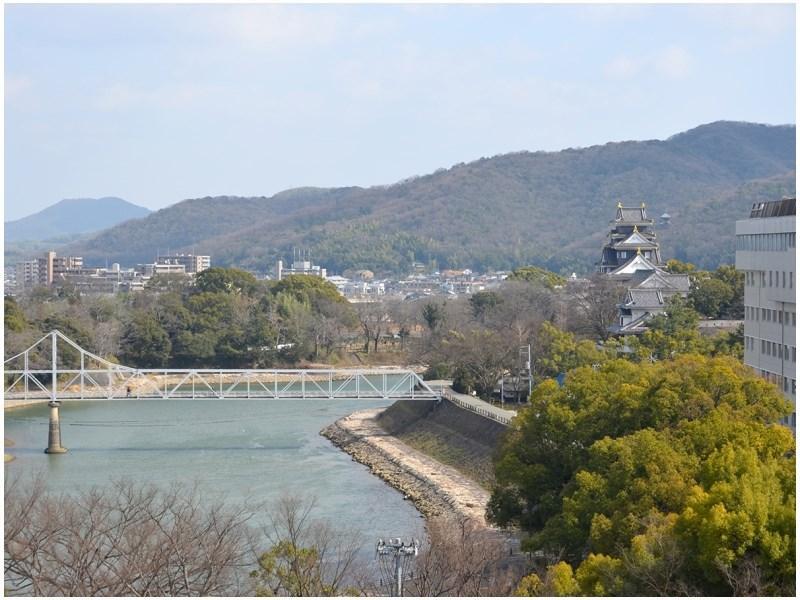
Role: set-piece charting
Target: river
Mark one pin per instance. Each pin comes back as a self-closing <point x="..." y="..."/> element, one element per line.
<point x="258" y="449"/>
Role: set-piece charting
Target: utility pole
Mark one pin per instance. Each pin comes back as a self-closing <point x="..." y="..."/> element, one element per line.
<point x="402" y="554"/>
<point x="525" y="353"/>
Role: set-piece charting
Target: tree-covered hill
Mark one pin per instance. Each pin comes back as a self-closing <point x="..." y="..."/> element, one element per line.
<point x="546" y="208"/>
<point x="72" y="216"/>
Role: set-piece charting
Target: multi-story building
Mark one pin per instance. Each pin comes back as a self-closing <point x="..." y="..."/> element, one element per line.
<point x="631" y="235"/>
<point x="765" y="253"/>
<point x="299" y="267"/>
<point x="27" y="274"/>
<point x="193" y="263"/>
<point x="631" y="256"/>
<point x="46" y="269"/>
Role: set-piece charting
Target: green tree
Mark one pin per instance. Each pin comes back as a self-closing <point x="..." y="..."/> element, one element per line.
<point x="483" y="302"/>
<point x="533" y="274"/>
<point x="13" y="317"/>
<point x="711" y="297"/>
<point x="144" y="342"/>
<point x="226" y="280"/>
<point x="434" y="316"/>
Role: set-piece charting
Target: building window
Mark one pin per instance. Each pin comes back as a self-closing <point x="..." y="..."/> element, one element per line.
<point x="791" y="279"/>
<point x="783" y="278"/>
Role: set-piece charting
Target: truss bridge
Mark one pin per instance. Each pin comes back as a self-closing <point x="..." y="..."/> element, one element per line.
<point x="57" y="368"/>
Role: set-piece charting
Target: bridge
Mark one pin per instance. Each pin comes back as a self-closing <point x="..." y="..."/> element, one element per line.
<point x="57" y="368"/>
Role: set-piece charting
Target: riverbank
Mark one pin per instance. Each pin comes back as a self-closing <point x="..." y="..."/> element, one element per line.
<point x="7" y="443"/>
<point x="434" y="488"/>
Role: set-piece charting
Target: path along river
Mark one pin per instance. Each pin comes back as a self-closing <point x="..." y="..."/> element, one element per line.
<point x="244" y="448"/>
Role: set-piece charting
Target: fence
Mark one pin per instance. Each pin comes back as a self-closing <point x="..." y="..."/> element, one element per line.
<point x="446" y="394"/>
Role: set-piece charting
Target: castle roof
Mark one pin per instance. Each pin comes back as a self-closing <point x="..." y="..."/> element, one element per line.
<point x="636" y="240"/>
<point x="644" y="298"/>
<point x="627" y="214"/>
<point x="637" y="263"/>
<point x="678" y="282"/>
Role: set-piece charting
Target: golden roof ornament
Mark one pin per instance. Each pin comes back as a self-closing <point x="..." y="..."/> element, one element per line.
<point x="642" y="204"/>
<point x="638" y="252"/>
<point x="619" y="204"/>
<point x="635" y="229"/>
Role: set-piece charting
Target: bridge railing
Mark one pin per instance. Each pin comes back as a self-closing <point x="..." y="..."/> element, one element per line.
<point x="447" y="395"/>
<point x="98" y="378"/>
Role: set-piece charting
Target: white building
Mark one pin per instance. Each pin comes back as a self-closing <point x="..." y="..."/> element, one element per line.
<point x="765" y="252"/>
<point x="192" y="263"/>
<point x="299" y="267"/>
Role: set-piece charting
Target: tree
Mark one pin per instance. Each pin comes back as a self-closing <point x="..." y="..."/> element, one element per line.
<point x="664" y="478"/>
<point x="434" y="316"/>
<point x="596" y="305"/>
<point x="460" y="558"/>
<point x="710" y="296"/>
<point x="676" y="266"/>
<point x="123" y="540"/>
<point x="306" y="557"/>
<point x="479" y="357"/>
<point x="549" y="441"/>
<point x="483" y="302"/>
<point x="533" y="274"/>
<point x="373" y="319"/>
<point x="13" y="317"/>
<point x="226" y="280"/>
<point x="309" y="288"/>
<point x="144" y="342"/>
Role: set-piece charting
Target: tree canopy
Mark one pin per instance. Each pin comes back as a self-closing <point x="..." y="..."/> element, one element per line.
<point x="649" y="478"/>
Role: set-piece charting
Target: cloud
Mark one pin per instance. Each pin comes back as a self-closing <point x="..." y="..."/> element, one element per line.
<point x="16" y="86"/>
<point x="673" y="62"/>
<point x="122" y="96"/>
<point x="623" y="67"/>
<point x="279" y="27"/>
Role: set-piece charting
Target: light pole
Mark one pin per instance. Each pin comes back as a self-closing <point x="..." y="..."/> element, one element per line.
<point x="525" y="353"/>
<point x="402" y="553"/>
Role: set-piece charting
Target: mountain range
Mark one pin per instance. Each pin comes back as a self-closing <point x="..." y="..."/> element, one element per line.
<point x="546" y="208"/>
<point x="71" y="217"/>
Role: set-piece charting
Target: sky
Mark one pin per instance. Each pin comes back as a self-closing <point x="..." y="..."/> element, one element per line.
<point x="159" y="103"/>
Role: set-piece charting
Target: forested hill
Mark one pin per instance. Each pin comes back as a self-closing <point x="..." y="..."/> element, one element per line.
<point x="546" y="208"/>
<point x="73" y="216"/>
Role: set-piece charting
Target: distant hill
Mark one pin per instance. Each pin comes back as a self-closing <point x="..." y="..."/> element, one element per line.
<point x="72" y="217"/>
<point x="545" y="208"/>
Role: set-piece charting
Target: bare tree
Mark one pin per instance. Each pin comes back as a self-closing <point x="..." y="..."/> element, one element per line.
<point x="462" y="558"/>
<point x="374" y="320"/>
<point x="307" y="557"/>
<point x="125" y="540"/>
<point x="595" y="305"/>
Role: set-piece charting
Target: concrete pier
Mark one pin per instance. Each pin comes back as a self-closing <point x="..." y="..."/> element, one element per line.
<point x="54" y="435"/>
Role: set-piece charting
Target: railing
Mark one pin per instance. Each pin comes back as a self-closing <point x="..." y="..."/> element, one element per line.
<point x="94" y="377"/>
<point x="447" y="395"/>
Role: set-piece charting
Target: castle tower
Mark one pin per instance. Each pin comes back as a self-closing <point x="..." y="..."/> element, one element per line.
<point x="631" y="236"/>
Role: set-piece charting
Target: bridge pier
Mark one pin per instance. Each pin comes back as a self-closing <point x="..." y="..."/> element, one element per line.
<point x="54" y="435"/>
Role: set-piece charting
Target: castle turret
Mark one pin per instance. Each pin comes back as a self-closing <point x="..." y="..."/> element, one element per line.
<point x="631" y="236"/>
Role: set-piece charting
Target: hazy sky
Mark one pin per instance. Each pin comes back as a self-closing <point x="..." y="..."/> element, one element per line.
<point x="156" y="104"/>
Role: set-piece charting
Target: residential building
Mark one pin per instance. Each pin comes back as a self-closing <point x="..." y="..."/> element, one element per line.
<point x="193" y="263"/>
<point x="765" y="253"/>
<point x="45" y="269"/>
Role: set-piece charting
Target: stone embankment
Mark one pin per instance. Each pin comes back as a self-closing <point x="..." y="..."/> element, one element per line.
<point x="436" y="489"/>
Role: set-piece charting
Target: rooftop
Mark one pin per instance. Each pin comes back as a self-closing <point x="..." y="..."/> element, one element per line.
<point x="774" y="208"/>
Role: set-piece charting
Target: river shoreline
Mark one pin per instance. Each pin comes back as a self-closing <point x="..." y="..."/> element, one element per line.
<point x="435" y="489"/>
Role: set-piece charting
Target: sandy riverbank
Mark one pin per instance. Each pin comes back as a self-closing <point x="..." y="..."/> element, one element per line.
<point x="434" y="488"/>
<point x="7" y="443"/>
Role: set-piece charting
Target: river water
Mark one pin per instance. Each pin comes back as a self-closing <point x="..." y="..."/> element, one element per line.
<point x="257" y="449"/>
